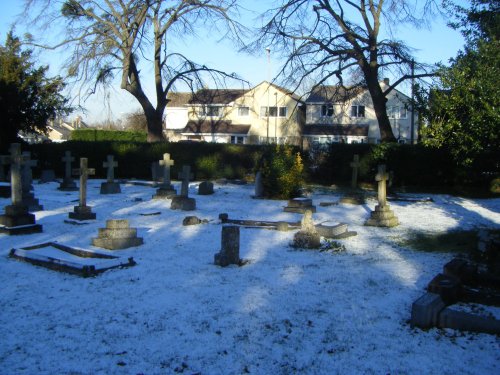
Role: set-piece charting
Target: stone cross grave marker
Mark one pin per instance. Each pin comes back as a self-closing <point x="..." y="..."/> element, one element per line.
<point x="27" y="174"/>
<point x="67" y="159"/>
<point x="166" y="163"/>
<point x="382" y="176"/>
<point x="110" y="164"/>
<point x="84" y="172"/>
<point x="67" y="184"/>
<point x="82" y="211"/>
<point x="355" y="166"/>
<point x="185" y="175"/>
<point x="16" y="160"/>
<point x="110" y="186"/>
<point x="17" y="219"/>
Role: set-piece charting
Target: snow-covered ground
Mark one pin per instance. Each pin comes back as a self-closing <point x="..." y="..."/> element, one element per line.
<point x="287" y="311"/>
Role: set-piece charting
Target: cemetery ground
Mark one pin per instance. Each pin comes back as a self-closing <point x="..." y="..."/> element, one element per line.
<point x="344" y="310"/>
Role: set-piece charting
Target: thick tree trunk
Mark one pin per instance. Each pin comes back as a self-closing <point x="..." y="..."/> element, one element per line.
<point x="379" y="104"/>
<point x="154" y="121"/>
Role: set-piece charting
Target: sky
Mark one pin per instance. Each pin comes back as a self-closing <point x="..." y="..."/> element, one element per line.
<point x="436" y="44"/>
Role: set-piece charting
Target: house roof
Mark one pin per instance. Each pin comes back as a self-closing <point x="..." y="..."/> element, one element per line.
<point x="215" y="127"/>
<point x="178" y="99"/>
<point x="282" y="89"/>
<point x="216" y="96"/>
<point x="335" y="94"/>
<point x="343" y="130"/>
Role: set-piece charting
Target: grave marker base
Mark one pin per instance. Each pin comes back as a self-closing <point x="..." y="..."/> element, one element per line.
<point x="183" y="203"/>
<point x="383" y="216"/>
<point x="82" y="213"/>
<point x="110" y="188"/>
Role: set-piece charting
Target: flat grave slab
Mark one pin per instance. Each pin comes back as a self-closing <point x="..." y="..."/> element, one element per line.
<point x="63" y="258"/>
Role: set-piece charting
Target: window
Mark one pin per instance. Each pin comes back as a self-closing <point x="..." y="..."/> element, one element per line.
<point x="358" y="111"/>
<point x="397" y="112"/>
<point x="243" y="111"/>
<point x="210" y="111"/>
<point x="327" y="110"/>
<point x="237" y="140"/>
<point x="273" y="111"/>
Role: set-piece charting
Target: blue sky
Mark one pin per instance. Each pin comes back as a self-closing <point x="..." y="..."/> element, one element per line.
<point x="438" y="44"/>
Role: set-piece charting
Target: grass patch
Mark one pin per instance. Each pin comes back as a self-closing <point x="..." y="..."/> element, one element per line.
<point x="447" y="242"/>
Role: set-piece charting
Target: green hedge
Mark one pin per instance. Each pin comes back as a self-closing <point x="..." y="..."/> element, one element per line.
<point x="93" y="135"/>
<point x="413" y="166"/>
<point x="207" y="160"/>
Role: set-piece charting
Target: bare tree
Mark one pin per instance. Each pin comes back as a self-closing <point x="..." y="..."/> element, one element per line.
<point x="109" y="37"/>
<point x="341" y="40"/>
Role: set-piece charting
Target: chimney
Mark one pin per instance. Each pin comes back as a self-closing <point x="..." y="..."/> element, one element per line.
<point x="387" y="81"/>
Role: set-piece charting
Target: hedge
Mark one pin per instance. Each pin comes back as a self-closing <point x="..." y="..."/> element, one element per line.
<point x="412" y="166"/>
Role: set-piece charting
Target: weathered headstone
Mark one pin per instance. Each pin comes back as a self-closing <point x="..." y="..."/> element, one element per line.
<point x="206" y="188"/>
<point x="82" y="211"/>
<point x="4" y="187"/>
<point x="308" y="237"/>
<point x="259" y="185"/>
<point x="383" y="216"/>
<point x="182" y="201"/>
<point x="29" y="199"/>
<point x="355" y="167"/>
<point x="230" y="247"/>
<point x="300" y="205"/>
<point x="47" y="175"/>
<point x="4" y="160"/>
<point x="117" y="235"/>
<point x="17" y="219"/>
<point x="110" y="186"/>
<point x="425" y="310"/>
<point x="67" y="184"/>
<point x="165" y="188"/>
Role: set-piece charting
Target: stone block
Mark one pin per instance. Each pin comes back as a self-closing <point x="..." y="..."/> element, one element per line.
<point x="82" y="213"/>
<point x="117" y="235"/>
<point x="165" y="193"/>
<point x="68" y="184"/>
<point x="230" y="247"/>
<point x="330" y="230"/>
<point x="425" y="310"/>
<point x="463" y="321"/>
<point x="448" y="287"/>
<point x="110" y="188"/>
<point x="206" y="188"/>
<point x="306" y="240"/>
<point x="183" y="203"/>
<point x="117" y="243"/>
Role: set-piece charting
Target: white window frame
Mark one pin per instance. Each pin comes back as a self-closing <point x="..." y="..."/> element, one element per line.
<point x="327" y="110"/>
<point x="281" y="112"/>
<point x="356" y="109"/>
<point x="206" y="111"/>
<point x="245" y="108"/>
<point x="397" y="112"/>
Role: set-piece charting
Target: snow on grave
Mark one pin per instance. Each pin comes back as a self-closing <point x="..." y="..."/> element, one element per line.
<point x="63" y="258"/>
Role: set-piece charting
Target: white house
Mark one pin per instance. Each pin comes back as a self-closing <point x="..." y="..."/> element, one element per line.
<point x="336" y="114"/>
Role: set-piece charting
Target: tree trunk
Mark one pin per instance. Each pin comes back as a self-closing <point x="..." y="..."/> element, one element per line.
<point x="154" y="119"/>
<point x="379" y="104"/>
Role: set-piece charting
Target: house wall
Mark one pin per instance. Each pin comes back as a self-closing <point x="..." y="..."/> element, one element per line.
<point x="342" y="115"/>
<point x="285" y="129"/>
<point x="176" y="117"/>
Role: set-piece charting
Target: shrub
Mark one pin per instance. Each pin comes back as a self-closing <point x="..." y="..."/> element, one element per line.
<point x="282" y="172"/>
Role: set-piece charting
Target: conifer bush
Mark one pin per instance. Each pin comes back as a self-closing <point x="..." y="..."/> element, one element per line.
<point x="282" y="172"/>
